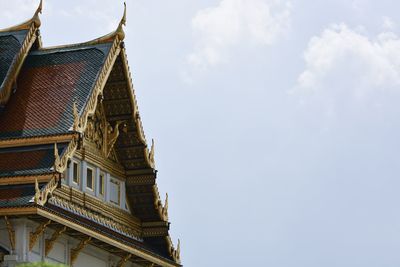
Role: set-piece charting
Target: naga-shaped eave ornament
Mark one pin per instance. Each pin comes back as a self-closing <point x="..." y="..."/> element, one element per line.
<point x="41" y="195"/>
<point x="162" y="210"/>
<point x="175" y="253"/>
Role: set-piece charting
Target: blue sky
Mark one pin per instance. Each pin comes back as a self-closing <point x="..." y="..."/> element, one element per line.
<point x="276" y="122"/>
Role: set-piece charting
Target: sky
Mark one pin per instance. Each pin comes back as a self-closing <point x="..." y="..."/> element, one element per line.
<point x="276" y="122"/>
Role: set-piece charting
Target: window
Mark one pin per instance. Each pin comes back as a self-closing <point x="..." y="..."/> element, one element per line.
<point x="75" y="172"/>
<point x="114" y="192"/>
<point x="101" y="184"/>
<point x="89" y="179"/>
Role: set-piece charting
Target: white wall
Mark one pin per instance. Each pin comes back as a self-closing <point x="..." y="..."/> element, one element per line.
<point x="90" y="256"/>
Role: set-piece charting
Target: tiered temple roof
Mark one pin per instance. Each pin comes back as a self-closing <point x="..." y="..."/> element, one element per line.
<point x="48" y="96"/>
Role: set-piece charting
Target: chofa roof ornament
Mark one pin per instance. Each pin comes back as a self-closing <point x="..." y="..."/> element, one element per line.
<point x="120" y="31"/>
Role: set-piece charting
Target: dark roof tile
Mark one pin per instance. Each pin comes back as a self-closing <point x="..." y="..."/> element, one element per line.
<point x="33" y="160"/>
<point x="10" y="44"/>
<point x="47" y="86"/>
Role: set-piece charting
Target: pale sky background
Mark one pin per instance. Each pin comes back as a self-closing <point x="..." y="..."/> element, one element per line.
<point x="277" y="122"/>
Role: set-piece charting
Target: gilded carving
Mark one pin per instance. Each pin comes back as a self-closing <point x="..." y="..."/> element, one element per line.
<point x="33" y="236"/>
<point x="176" y="255"/>
<point x="76" y="126"/>
<point x="41" y="196"/>
<point x="95" y="128"/>
<point x="75" y="251"/>
<point x="93" y="216"/>
<point x="11" y="233"/>
<point x="164" y="210"/>
<point x="49" y="243"/>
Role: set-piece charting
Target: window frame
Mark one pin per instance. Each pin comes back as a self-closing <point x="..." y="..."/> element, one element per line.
<point x="102" y="183"/>
<point x="78" y="172"/>
<point x="93" y="178"/>
<point x="118" y="183"/>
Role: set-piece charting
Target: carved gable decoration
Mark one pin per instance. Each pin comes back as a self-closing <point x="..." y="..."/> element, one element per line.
<point x="102" y="134"/>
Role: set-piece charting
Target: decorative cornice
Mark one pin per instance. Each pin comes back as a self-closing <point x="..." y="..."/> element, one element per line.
<point x="97" y="205"/>
<point x="37" y="140"/>
<point x="95" y="217"/>
<point x="28" y="179"/>
<point x="137" y="251"/>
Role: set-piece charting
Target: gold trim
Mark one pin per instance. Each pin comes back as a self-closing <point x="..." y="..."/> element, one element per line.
<point x="75" y="251"/>
<point x="76" y="126"/>
<point x="90" y="202"/>
<point x="88" y="214"/>
<point x="25" y="179"/>
<point x="89" y="154"/>
<point x="33" y="236"/>
<point x="42" y="195"/>
<point x="49" y="243"/>
<point x="101" y="81"/>
<point x="41" y="140"/>
<point x="162" y="210"/>
<point x="11" y="233"/>
<point x="32" y="25"/>
<point x="17" y="211"/>
<point x="60" y="164"/>
<point x="108" y="240"/>
<point x="176" y="255"/>
<point x="135" y="109"/>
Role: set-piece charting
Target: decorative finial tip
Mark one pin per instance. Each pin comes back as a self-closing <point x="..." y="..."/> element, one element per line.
<point x="39" y="9"/>
<point x="123" y="20"/>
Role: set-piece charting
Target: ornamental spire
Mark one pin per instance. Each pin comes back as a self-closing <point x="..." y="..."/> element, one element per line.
<point x="120" y="31"/>
<point x="35" y="17"/>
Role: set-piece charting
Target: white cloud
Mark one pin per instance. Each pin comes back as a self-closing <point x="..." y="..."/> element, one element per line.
<point x="233" y="22"/>
<point x="388" y="23"/>
<point x="345" y="59"/>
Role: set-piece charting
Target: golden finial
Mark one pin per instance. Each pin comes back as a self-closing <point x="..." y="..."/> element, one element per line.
<point x="36" y="18"/>
<point x="120" y="30"/>
<point x="151" y="153"/>
<point x="178" y="250"/>
<point x="165" y="208"/>
<point x="39" y="9"/>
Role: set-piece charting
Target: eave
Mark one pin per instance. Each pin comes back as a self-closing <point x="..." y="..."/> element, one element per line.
<point x="80" y="230"/>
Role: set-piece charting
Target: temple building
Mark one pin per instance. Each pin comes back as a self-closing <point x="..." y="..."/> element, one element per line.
<point x="77" y="176"/>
